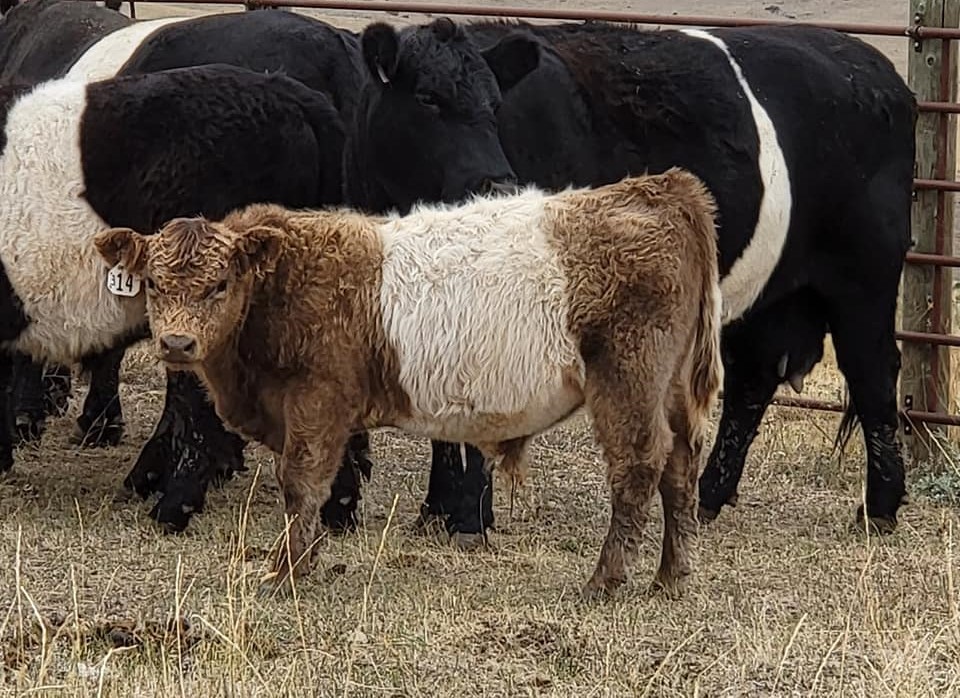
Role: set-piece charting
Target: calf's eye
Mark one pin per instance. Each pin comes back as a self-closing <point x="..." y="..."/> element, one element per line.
<point x="150" y="285"/>
<point x="220" y="289"/>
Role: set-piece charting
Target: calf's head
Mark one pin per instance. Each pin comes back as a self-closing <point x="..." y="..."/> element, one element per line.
<point x="426" y="128"/>
<point x="199" y="278"/>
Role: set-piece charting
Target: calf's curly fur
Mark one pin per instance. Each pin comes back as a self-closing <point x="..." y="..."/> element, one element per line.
<point x="486" y="322"/>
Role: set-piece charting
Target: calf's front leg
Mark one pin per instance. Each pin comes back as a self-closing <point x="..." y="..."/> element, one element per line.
<point x="311" y="456"/>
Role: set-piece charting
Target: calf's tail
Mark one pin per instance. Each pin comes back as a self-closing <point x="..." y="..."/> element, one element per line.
<point x="706" y="365"/>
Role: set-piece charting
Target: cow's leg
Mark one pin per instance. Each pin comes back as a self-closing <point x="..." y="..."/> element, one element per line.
<point x="101" y="421"/>
<point x="339" y="513"/>
<point x="636" y="450"/>
<point x="201" y="451"/>
<point x="678" y="490"/>
<point x="57" y="386"/>
<point x="780" y="343"/>
<point x="747" y="392"/>
<point x="459" y="492"/>
<point x="6" y="428"/>
<point x="26" y="400"/>
<point x="867" y="354"/>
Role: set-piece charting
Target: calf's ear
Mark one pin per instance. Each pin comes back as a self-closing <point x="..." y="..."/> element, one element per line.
<point x="512" y="58"/>
<point x="381" y="51"/>
<point x="122" y="246"/>
<point x="258" y="250"/>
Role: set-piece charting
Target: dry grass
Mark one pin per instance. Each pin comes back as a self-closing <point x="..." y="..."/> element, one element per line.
<point x="787" y="599"/>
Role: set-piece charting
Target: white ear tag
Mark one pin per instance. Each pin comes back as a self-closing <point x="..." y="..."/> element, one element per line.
<point x="120" y="282"/>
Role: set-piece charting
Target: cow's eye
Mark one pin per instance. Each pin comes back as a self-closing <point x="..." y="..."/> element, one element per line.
<point x="151" y="286"/>
<point x="427" y="100"/>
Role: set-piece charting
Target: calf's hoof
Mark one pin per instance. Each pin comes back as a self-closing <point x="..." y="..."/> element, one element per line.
<point x="6" y="461"/>
<point x="601" y="589"/>
<point x="29" y="426"/>
<point x="98" y="433"/>
<point x="670" y="586"/>
<point x="878" y="525"/>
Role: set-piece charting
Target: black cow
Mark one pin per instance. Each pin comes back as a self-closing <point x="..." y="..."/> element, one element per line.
<point x="804" y="135"/>
<point x="42" y="40"/>
<point x="137" y="151"/>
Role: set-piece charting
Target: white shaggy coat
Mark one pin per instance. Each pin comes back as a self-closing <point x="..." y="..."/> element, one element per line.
<point x="47" y="229"/>
<point x="749" y="274"/>
<point x="474" y="303"/>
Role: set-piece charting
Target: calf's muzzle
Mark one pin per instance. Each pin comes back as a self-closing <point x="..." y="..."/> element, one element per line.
<point x="178" y="348"/>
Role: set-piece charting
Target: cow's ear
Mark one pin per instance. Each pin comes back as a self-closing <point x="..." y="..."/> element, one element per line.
<point x="381" y="51"/>
<point x="446" y="29"/>
<point x="122" y="246"/>
<point x="512" y="58"/>
<point x="258" y="250"/>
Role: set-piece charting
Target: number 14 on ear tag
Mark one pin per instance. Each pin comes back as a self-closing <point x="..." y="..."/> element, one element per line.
<point x="120" y="282"/>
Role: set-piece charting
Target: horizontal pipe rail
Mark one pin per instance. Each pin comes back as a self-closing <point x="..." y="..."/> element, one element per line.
<point x="938" y="184"/>
<point x="916" y="32"/>
<point x="944" y="340"/>
<point x="939" y="260"/>
<point x="939" y="107"/>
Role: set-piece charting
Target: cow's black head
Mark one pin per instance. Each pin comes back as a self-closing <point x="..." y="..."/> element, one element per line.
<point x="426" y="125"/>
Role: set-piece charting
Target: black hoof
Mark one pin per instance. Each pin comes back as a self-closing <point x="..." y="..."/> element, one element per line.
<point x="878" y="525"/>
<point x="6" y="461"/>
<point x="173" y="513"/>
<point x="29" y="426"/>
<point x="98" y="433"/>
<point x="340" y="515"/>
<point x="151" y="471"/>
<point x="57" y="387"/>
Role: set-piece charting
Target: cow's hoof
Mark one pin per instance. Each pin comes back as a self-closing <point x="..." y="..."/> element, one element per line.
<point x="878" y="525"/>
<point x="706" y="516"/>
<point x="173" y="516"/>
<point x="6" y="461"/>
<point x="151" y="471"/>
<point x="57" y="388"/>
<point x="29" y="426"/>
<point x="468" y="541"/>
<point x="429" y="524"/>
<point x="98" y="433"/>
<point x="340" y="515"/>
<point x="223" y="475"/>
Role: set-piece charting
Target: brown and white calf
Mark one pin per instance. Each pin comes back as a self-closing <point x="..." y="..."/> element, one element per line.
<point x="486" y="323"/>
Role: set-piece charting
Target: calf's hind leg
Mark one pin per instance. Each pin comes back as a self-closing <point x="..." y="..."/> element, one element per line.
<point x="678" y="489"/>
<point x="635" y="437"/>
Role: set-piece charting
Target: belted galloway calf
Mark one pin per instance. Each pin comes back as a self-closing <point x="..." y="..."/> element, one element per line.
<point x="486" y="322"/>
